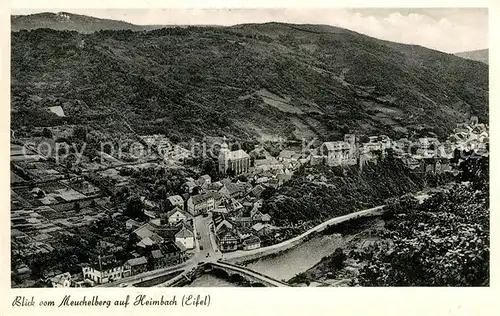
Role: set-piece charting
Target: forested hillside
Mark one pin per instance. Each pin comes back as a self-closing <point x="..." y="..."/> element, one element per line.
<point x="478" y="55"/>
<point x="319" y="193"/>
<point x="246" y="81"/>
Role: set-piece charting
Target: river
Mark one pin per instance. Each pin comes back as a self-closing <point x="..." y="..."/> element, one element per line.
<point x="285" y="265"/>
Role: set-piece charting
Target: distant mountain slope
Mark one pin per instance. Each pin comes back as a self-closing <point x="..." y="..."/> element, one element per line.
<point x="246" y="81"/>
<point x="71" y="22"/>
<point x="478" y="55"/>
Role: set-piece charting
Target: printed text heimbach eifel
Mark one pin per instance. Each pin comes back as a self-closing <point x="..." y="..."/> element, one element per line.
<point x="139" y="300"/>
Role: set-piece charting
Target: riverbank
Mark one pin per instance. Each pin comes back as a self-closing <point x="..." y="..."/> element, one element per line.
<point x="337" y="268"/>
<point x="242" y="255"/>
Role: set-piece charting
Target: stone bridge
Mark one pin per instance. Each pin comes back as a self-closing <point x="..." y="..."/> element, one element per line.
<point x="247" y="274"/>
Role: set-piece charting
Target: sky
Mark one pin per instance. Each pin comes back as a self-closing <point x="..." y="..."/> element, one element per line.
<point x="449" y="30"/>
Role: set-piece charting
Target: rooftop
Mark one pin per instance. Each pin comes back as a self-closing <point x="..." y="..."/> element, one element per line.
<point x="200" y="198"/>
<point x="287" y="154"/>
<point x="175" y="210"/>
<point x="137" y="261"/>
<point x="238" y="154"/>
<point x="184" y="233"/>
<point x="252" y="240"/>
<point x="176" y="199"/>
<point x="60" y="278"/>
<point x="156" y="254"/>
<point x="337" y="145"/>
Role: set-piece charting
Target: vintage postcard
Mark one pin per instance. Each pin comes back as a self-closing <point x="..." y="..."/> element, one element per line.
<point x="171" y="152"/>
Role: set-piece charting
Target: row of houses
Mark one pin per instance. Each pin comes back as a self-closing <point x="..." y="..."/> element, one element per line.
<point x="467" y="136"/>
<point x="231" y="237"/>
<point x="236" y="226"/>
<point x="108" y="269"/>
<point x="159" y="243"/>
<point x="210" y="196"/>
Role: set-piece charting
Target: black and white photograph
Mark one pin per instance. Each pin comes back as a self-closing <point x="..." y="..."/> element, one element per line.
<point x="265" y="147"/>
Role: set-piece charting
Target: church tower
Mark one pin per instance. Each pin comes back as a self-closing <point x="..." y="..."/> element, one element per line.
<point x="223" y="157"/>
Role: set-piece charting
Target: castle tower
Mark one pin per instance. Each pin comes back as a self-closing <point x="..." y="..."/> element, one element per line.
<point x="353" y="148"/>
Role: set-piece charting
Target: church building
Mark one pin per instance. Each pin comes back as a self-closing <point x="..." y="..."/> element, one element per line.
<point x="238" y="160"/>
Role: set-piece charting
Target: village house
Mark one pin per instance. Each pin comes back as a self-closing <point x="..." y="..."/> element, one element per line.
<point x="201" y="203"/>
<point x="135" y="266"/>
<point x="234" y="206"/>
<point x="147" y="236"/>
<point x="273" y="183"/>
<point x="385" y="142"/>
<point x="168" y="254"/>
<point x="191" y="186"/>
<point x="252" y="242"/>
<point x="78" y="281"/>
<point x="61" y="280"/>
<point x="107" y="269"/>
<point x="175" y="201"/>
<point x="315" y="159"/>
<point x="204" y="181"/>
<point x="286" y="155"/>
<point x="444" y="151"/>
<point x="226" y="239"/>
<point x="214" y="186"/>
<point x="246" y="187"/>
<point x="262" y="229"/>
<point x="132" y="224"/>
<point x="267" y="164"/>
<point x="217" y="218"/>
<point x="427" y="143"/>
<point x="218" y="198"/>
<point x="243" y="233"/>
<point x="177" y="215"/>
<point x="462" y="128"/>
<point x="222" y="223"/>
<point x="185" y="237"/>
<point x="22" y="271"/>
<point x="221" y="209"/>
<point x="242" y="221"/>
<point x="258" y="217"/>
<point x="401" y="146"/>
<point x="237" y="161"/>
<point x="157" y="259"/>
<point x="258" y="204"/>
<point x="231" y="190"/>
<point x="247" y="204"/>
<point x="261" y="180"/>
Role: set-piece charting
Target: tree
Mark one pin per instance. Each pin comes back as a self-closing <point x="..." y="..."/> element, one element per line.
<point x="443" y="241"/>
<point x="364" y="139"/>
<point x="80" y="133"/>
<point x="47" y="133"/>
<point x="337" y="259"/>
<point x="210" y="167"/>
<point x="230" y="173"/>
<point x="134" y="207"/>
